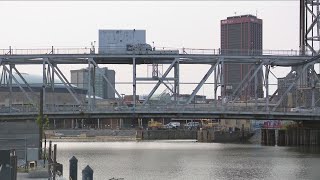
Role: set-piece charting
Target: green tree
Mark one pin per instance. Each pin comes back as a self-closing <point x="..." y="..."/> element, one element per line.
<point x="43" y="125"/>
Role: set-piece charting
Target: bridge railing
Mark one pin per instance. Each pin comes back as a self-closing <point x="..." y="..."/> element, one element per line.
<point x="156" y="50"/>
<point x="169" y="108"/>
<point x="241" y="52"/>
<point x="191" y="108"/>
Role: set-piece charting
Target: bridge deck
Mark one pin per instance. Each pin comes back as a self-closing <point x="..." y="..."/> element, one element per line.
<point x="149" y="59"/>
<point x="167" y="114"/>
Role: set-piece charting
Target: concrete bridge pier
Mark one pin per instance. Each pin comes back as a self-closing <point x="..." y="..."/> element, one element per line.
<point x="139" y="135"/>
<point x="200" y="135"/>
<point x="205" y="135"/>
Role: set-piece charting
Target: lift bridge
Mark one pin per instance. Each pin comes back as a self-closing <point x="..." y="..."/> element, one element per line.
<point x="227" y="107"/>
<point x="302" y="82"/>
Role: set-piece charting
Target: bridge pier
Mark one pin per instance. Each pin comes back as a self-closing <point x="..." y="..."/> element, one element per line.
<point x="200" y="136"/>
<point x="281" y="138"/>
<point x="268" y="137"/>
<point x="294" y="136"/>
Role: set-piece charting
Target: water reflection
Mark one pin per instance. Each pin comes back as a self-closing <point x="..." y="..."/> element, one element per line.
<point x="190" y="160"/>
<point x="306" y="149"/>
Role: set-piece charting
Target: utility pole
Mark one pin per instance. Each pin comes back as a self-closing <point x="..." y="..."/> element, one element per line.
<point x="41" y="121"/>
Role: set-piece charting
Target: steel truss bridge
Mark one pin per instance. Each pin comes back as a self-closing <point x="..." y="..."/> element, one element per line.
<point x="228" y="108"/>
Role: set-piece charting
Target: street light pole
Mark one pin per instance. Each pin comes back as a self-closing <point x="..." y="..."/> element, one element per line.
<point x="194" y="102"/>
<point x="122" y="98"/>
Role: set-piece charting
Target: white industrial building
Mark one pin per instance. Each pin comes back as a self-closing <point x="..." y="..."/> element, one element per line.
<point x="80" y="78"/>
<point x="117" y="41"/>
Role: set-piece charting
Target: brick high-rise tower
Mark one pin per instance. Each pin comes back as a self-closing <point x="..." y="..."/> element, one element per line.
<point x="241" y="35"/>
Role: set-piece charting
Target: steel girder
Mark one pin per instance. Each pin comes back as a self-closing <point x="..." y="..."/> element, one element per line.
<point x="63" y="79"/>
<point x="160" y="81"/>
<point x="203" y="80"/>
<point x="19" y="85"/>
<point x="304" y="68"/>
<point x="309" y="26"/>
<point x="244" y="83"/>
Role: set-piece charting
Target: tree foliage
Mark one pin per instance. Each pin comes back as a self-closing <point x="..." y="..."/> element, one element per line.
<point x="45" y="124"/>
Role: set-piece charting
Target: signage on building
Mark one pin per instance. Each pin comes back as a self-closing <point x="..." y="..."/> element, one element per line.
<point x="272" y="124"/>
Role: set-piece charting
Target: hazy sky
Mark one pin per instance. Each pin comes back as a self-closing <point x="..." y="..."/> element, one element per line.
<point x="177" y="24"/>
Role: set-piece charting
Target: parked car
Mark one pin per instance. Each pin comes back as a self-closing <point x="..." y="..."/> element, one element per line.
<point x="172" y="125"/>
<point x="301" y="109"/>
<point x="192" y="125"/>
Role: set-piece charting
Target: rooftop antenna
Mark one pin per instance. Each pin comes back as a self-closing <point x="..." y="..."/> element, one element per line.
<point x="235" y="13"/>
<point x="256" y="13"/>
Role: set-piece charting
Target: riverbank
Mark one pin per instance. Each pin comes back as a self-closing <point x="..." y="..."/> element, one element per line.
<point x="109" y="135"/>
<point x="93" y="139"/>
<point x="90" y="135"/>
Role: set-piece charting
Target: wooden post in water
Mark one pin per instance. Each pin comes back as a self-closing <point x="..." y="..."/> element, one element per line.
<point x="73" y="168"/>
<point x="242" y="133"/>
<point x="13" y="164"/>
<point x="50" y="158"/>
<point x="44" y="150"/>
<point x="54" y="160"/>
<point x="87" y="173"/>
<point x="281" y="137"/>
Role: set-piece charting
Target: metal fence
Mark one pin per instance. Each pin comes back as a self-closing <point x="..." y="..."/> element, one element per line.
<point x="88" y="50"/>
<point x="19" y="145"/>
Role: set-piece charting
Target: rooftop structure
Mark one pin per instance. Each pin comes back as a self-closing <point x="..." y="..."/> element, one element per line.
<point x="118" y="41"/>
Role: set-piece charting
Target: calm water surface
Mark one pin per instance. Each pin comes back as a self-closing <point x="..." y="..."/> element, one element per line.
<point x="190" y="160"/>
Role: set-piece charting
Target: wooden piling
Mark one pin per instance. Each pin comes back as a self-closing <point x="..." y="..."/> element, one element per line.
<point x="281" y="137"/>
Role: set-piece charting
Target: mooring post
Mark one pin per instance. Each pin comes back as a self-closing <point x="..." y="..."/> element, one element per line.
<point x="50" y="158"/>
<point x="44" y="152"/>
<point x="13" y="164"/>
<point x="73" y="168"/>
<point x="242" y="133"/>
<point x="87" y="173"/>
<point x="54" y="160"/>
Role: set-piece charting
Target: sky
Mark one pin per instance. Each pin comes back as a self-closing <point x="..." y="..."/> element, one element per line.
<point x="177" y="24"/>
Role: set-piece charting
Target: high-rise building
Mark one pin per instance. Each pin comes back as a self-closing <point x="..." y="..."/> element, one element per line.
<point x="101" y="87"/>
<point x="241" y="35"/>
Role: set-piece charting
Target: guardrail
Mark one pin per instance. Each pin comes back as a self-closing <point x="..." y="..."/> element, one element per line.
<point x="88" y="50"/>
<point x="197" y="108"/>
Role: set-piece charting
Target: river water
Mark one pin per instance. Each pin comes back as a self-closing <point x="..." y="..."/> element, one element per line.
<point x="190" y="160"/>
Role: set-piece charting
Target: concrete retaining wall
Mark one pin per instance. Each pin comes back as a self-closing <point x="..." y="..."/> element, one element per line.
<point x="222" y="136"/>
<point x="166" y="134"/>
